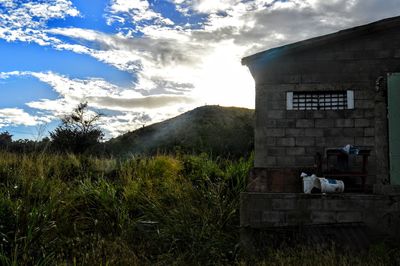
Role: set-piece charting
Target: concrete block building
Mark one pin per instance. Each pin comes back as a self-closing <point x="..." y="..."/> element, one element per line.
<point x="321" y="94"/>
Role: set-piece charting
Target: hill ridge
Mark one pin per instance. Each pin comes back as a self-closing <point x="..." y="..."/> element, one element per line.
<point x="210" y="128"/>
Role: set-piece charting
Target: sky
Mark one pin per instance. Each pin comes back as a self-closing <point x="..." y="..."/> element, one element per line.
<point x="138" y="62"/>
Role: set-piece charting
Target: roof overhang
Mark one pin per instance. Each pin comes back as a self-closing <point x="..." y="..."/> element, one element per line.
<point x="325" y="39"/>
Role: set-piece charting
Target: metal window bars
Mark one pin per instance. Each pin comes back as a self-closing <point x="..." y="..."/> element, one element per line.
<point x="320" y="100"/>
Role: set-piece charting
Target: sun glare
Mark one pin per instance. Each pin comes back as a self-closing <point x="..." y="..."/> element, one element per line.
<point x="223" y="80"/>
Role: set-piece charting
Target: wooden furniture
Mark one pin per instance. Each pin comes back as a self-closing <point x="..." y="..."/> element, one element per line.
<point x="347" y="172"/>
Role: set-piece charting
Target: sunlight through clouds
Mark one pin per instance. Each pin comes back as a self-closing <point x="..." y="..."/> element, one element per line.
<point x="179" y="53"/>
<point x="128" y="105"/>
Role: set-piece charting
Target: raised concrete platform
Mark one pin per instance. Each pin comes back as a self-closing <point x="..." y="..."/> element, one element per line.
<point x="379" y="213"/>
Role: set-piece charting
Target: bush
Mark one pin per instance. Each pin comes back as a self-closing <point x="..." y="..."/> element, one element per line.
<point x="78" y="132"/>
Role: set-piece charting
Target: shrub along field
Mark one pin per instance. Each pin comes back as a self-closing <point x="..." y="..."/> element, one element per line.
<point x="161" y="210"/>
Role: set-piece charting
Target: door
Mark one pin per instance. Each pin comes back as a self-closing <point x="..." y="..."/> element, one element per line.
<point x="394" y="126"/>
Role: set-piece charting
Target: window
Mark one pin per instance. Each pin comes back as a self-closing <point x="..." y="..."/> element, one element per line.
<point x="320" y="100"/>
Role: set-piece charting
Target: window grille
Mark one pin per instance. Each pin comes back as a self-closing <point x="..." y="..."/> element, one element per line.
<point x="320" y="100"/>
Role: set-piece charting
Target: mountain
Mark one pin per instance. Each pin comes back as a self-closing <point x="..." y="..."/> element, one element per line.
<point x="212" y="129"/>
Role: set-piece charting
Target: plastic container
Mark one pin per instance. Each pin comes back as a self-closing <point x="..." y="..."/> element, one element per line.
<point x="329" y="185"/>
<point x="308" y="182"/>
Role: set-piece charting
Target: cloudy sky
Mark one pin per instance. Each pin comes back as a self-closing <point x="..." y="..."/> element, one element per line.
<point x="142" y="61"/>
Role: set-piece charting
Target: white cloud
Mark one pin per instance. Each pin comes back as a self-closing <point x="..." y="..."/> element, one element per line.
<point x="167" y="59"/>
<point x="210" y="6"/>
<point x="174" y="63"/>
<point x="51" y="9"/>
<point x="101" y="96"/>
<point x="149" y="102"/>
<point x="25" y="20"/>
<point x="17" y="117"/>
<point x="138" y="11"/>
<point x="119" y="124"/>
<point x="206" y="60"/>
<point x="97" y="91"/>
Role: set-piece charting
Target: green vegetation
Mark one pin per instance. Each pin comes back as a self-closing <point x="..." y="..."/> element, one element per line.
<point x="62" y="205"/>
<point x="163" y="210"/>
<point x="85" y="210"/>
<point x="78" y="132"/>
<point x="220" y="131"/>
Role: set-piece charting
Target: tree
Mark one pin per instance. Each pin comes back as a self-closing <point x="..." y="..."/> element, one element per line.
<point x="78" y="131"/>
<point x="5" y="140"/>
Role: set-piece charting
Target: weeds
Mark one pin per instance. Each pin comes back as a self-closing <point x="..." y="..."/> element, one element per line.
<point x="163" y="210"/>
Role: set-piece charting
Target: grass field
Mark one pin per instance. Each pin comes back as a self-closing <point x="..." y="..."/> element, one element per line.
<point x="162" y="210"/>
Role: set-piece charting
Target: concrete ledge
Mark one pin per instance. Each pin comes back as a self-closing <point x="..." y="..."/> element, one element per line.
<point x="387" y="189"/>
<point x="343" y="236"/>
<point x="380" y="213"/>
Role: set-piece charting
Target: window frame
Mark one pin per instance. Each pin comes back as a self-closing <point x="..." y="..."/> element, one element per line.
<point x="318" y="95"/>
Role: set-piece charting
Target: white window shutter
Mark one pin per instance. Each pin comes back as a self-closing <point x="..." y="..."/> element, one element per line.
<point x="350" y="99"/>
<point x="289" y="100"/>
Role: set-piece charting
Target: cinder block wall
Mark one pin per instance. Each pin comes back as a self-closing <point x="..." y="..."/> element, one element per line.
<point x="290" y="138"/>
<point x="264" y="210"/>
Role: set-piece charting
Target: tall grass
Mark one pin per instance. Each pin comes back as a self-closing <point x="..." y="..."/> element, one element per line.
<point x="162" y="210"/>
<point x="83" y="210"/>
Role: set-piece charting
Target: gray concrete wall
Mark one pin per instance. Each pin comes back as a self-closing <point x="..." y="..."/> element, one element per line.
<point x="288" y="138"/>
<point x="380" y="213"/>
